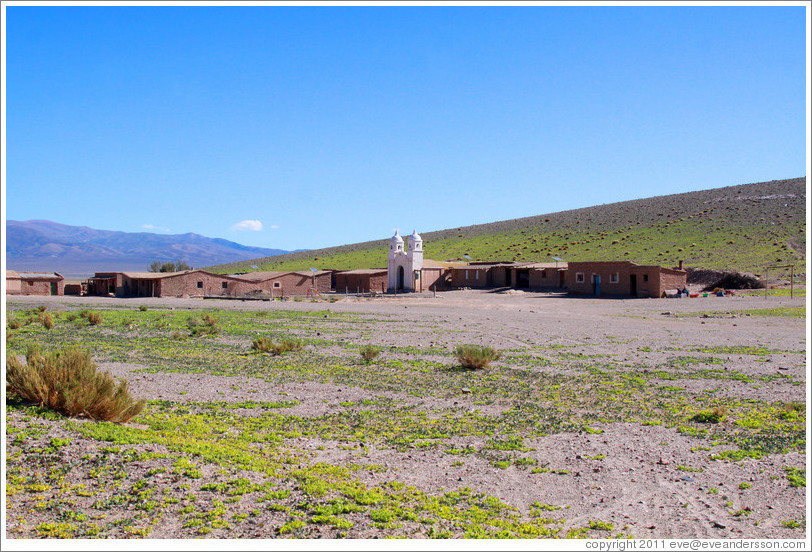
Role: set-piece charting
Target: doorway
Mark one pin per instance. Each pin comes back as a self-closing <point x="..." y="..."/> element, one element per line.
<point x="400" y="278"/>
<point x="633" y="285"/>
<point x="596" y="285"/>
<point x="54" y="289"/>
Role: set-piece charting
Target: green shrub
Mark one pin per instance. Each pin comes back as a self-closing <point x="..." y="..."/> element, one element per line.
<point x="369" y="353"/>
<point x="15" y="324"/>
<point x="207" y="326"/>
<point x="712" y="416"/>
<point x="143" y="308"/>
<point x="266" y="345"/>
<point x="262" y="344"/>
<point x="475" y="357"/>
<point x="68" y="382"/>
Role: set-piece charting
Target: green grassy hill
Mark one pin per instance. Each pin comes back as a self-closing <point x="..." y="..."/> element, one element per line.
<point x="740" y="228"/>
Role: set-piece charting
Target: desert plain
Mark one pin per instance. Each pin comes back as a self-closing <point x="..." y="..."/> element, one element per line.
<point x="622" y="418"/>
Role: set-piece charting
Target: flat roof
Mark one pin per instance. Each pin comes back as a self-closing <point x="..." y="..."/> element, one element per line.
<point x="363" y="271"/>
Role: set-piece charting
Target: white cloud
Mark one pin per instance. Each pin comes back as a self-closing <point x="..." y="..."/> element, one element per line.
<point x="153" y="227"/>
<point x="274" y="226"/>
<point x="248" y="225"/>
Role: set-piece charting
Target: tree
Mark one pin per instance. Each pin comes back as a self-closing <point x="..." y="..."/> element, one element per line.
<point x="177" y="266"/>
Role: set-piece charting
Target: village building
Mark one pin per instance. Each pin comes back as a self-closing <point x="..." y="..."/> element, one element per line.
<point x="365" y="280"/>
<point x="408" y="271"/>
<point x="34" y="283"/>
<point x="623" y="279"/>
<point x="538" y="276"/>
<point x="189" y="283"/>
<point x="405" y="264"/>
<point x="276" y="284"/>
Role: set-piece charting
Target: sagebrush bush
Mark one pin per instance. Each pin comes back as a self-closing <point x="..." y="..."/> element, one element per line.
<point x="207" y="326"/>
<point x="475" y="357"/>
<point x="46" y="320"/>
<point x="291" y="345"/>
<point x="93" y="318"/>
<point x="712" y="416"/>
<point x="369" y="353"/>
<point x="262" y="344"/>
<point x="266" y="345"/>
<point x="15" y="324"/>
<point x="68" y="382"/>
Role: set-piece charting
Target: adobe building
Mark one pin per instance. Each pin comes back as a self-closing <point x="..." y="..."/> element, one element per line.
<point x="622" y="279"/>
<point x="277" y="284"/>
<point x="189" y="283"/>
<point x="365" y="280"/>
<point x="34" y="283"/>
<point x="538" y="276"/>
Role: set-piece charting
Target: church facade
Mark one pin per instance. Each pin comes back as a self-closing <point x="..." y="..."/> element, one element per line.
<point x="405" y="266"/>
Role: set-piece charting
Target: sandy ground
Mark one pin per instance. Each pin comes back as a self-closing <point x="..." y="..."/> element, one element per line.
<point x="637" y="485"/>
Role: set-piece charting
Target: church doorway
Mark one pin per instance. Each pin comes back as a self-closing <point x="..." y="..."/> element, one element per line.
<point x="400" y="278"/>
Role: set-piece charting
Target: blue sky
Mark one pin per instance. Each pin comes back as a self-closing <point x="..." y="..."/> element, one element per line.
<point x="307" y="127"/>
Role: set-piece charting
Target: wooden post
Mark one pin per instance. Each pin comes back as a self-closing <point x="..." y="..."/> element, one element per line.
<point x="791" y="279"/>
<point x="766" y="281"/>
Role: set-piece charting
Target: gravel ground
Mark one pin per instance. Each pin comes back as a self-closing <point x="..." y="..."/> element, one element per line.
<point x="637" y="484"/>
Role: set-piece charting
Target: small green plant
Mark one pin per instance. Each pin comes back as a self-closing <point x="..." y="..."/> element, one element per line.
<point x="262" y="344"/>
<point x="288" y="344"/>
<point x="475" y="357"/>
<point x="601" y="526"/>
<point x="206" y="326"/>
<point x="369" y="353"/>
<point x="266" y="345"/>
<point x="744" y="485"/>
<point x="68" y="382"/>
<point x="712" y="416"/>
<point x="143" y="308"/>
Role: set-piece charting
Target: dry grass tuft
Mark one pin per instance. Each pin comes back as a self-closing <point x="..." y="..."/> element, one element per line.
<point x="266" y="345"/>
<point x="68" y="382"/>
<point x="475" y="357"/>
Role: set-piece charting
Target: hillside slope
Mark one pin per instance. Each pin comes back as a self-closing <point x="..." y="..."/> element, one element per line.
<point x="742" y="227"/>
<point x="79" y="251"/>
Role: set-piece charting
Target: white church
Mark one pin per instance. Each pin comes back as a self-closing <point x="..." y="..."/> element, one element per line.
<point x="405" y="266"/>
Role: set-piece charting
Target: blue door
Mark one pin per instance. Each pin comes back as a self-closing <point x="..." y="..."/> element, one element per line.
<point x="596" y="285"/>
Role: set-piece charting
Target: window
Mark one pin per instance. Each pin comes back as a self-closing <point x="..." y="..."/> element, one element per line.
<point x="543" y="273"/>
<point x="614" y="278"/>
<point x="579" y="277"/>
<point x="466" y="274"/>
<point x="200" y="285"/>
<point x="225" y="285"/>
<point x="416" y="274"/>
<point x="277" y="285"/>
<point x="30" y="283"/>
<point x="476" y="275"/>
<point x="645" y="277"/>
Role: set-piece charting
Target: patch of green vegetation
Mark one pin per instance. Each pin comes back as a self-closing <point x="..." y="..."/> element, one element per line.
<point x="796" y="476"/>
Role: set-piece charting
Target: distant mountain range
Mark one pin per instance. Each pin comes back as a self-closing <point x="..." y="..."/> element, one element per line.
<point x="79" y="251"/>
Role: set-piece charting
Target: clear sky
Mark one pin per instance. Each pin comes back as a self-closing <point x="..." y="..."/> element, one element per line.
<point x="307" y="127"/>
